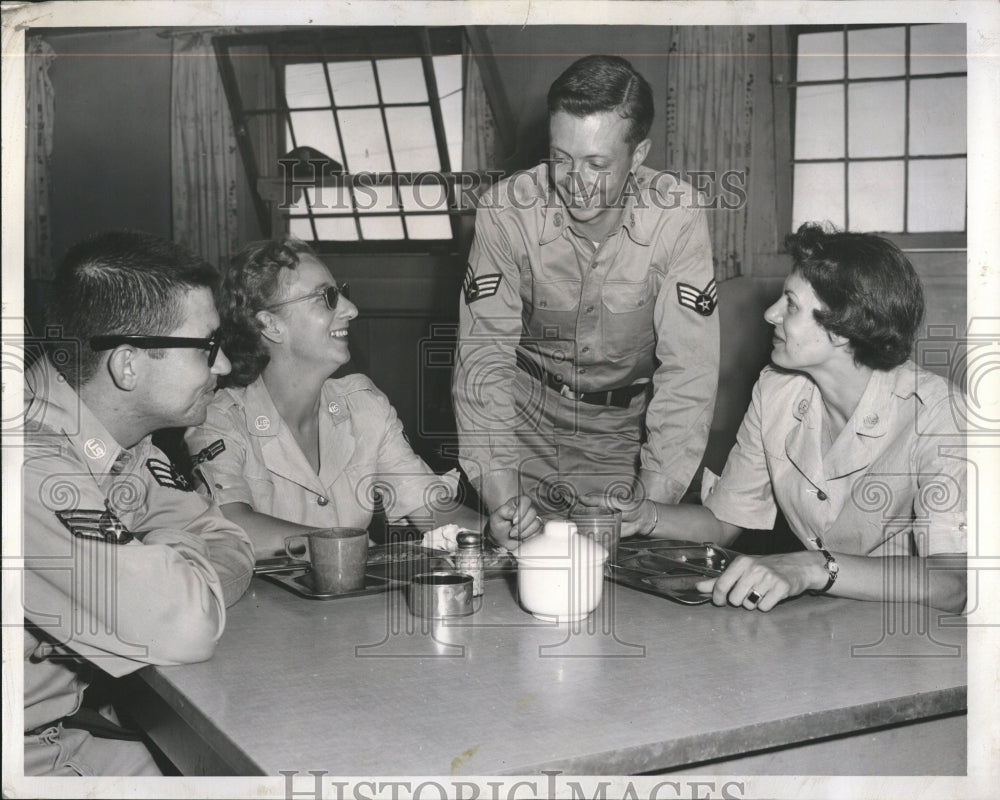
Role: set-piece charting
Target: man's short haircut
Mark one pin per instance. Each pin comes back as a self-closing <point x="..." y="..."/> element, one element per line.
<point x="872" y="294"/>
<point x="121" y="282"/>
<point x="595" y="84"/>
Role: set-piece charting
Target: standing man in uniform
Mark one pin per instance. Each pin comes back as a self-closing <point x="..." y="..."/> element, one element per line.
<point x="588" y="349"/>
<point x="124" y="565"/>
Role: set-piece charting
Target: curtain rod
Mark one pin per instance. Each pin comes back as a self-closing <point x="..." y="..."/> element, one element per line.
<point x="224" y="31"/>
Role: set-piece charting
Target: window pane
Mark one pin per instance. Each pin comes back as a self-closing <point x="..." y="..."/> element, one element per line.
<point x="820" y="56"/>
<point x="336" y="229"/>
<point x="402" y="80"/>
<point x="364" y="141"/>
<point x="374" y="198"/>
<point x="424" y="197"/>
<point x="448" y="72"/>
<point x="819" y="122"/>
<point x="382" y="228"/>
<point x="875" y="116"/>
<point x="875" y="196"/>
<point x="300" y="228"/>
<point x="937" y="195"/>
<point x="818" y="194"/>
<point x="330" y="198"/>
<point x="305" y="86"/>
<point x="430" y="227"/>
<point x="317" y="130"/>
<point x="353" y="83"/>
<point x="876" y="52"/>
<point x="937" y="116"/>
<point x="414" y="145"/>
<point x="937" y="48"/>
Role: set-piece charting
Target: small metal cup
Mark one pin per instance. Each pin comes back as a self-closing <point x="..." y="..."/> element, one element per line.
<point x="440" y="594"/>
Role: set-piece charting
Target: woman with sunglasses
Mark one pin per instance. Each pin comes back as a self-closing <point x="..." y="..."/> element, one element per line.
<point x="300" y="448"/>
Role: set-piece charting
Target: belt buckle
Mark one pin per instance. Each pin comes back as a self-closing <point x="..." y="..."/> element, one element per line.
<point x="568" y="393"/>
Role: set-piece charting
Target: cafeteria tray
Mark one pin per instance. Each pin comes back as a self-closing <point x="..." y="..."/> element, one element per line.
<point x="390" y="566"/>
<point x="669" y="567"/>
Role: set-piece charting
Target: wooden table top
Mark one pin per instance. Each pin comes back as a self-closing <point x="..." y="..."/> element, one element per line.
<point x="359" y="686"/>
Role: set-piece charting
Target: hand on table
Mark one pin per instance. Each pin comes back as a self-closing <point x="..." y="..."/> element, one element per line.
<point x="761" y="582"/>
<point x="513" y="521"/>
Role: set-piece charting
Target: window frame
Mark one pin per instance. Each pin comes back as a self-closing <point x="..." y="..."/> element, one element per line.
<point x="910" y="241"/>
<point x="318" y="45"/>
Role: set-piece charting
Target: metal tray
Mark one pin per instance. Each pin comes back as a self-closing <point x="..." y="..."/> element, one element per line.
<point x="668" y="567"/>
<point x="390" y="566"/>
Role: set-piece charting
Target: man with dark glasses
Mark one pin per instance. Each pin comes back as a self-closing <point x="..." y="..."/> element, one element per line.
<point x="125" y="565"/>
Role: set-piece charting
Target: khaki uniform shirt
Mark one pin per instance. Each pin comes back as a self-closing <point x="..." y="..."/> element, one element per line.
<point x="638" y="306"/>
<point x="893" y="483"/>
<point x="124" y="565"/>
<point x="362" y="450"/>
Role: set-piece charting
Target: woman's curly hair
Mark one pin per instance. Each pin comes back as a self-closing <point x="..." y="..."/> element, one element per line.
<point x="872" y="294"/>
<point x="249" y="285"/>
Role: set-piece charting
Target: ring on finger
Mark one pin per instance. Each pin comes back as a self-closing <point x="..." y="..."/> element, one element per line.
<point x="754" y="596"/>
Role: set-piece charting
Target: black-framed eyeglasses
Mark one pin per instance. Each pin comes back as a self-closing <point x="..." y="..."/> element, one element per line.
<point x="331" y="294"/>
<point x="110" y="341"/>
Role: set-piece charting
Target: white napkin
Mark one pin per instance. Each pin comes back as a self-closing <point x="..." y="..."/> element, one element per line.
<point x="444" y="538"/>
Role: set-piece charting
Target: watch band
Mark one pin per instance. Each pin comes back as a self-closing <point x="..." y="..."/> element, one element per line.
<point x="832" y="568"/>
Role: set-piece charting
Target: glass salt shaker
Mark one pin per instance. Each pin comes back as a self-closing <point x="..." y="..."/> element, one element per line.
<point x="469" y="559"/>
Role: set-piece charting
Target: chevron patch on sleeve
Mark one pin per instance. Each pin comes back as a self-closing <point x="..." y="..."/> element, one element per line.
<point x="208" y="453"/>
<point x="99" y="524"/>
<point x="476" y="288"/>
<point x="166" y="475"/>
<point x="703" y="301"/>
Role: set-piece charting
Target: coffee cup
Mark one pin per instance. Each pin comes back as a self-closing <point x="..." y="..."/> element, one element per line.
<point x="337" y="558"/>
<point x="602" y="524"/>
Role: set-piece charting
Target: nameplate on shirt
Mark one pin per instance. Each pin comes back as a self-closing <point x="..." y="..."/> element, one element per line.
<point x="99" y="524"/>
<point x="476" y="288"/>
<point x="166" y="475"/>
<point x="703" y="301"/>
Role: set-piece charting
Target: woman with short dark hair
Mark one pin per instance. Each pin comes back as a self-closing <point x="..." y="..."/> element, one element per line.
<point x="859" y="448"/>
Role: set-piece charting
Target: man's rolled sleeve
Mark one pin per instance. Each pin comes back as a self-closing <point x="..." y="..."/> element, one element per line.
<point x="155" y="599"/>
<point x="680" y="411"/>
<point x="489" y="330"/>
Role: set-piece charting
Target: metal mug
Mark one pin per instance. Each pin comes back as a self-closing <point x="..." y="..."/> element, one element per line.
<point x="440" y="594"/>
<point x="337" y="558"/>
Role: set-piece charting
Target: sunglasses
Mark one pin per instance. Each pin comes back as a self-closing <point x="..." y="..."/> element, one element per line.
<point x="109" y="342"/>
<point x="330" y="294"/>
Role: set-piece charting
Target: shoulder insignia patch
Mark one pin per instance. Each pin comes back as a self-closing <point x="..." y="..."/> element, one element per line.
<point x="478" y="288"/>
<point x="208" y="453"/>
<point x="166" y="475"/>
<point x="101" y="525"/>
<point x="702" y="301"/>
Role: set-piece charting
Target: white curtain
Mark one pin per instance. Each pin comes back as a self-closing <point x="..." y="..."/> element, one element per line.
<point x="204" y="161"/>
<point x="709" y="115"/>
<point x="39" y="120"/>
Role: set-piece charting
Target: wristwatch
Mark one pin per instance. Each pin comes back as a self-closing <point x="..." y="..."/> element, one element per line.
<point x="832" y="569"/>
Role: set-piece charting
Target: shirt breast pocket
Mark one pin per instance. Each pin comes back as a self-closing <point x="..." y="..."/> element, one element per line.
<point x="628" y="318"/>
<point x="552" y="309"/>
